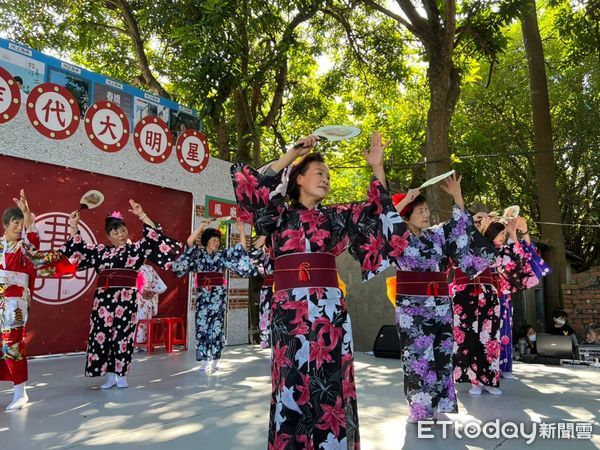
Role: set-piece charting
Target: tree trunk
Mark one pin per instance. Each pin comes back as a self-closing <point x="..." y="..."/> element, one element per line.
<point x="222" y="138"/>
<point x="544" y="158"/>
<point x="443" y="81"/>
<point x="244" y="134"/>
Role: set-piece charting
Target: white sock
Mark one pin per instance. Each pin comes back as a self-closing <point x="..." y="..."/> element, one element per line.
<point x="202" y="365"/>
<point x="475" y="389"/>
<point x="111" y="381"/>
<point x="20" y="397"/>
<point x="493" y="390"/>
<point x="122" y="381"/>
<point x="215" y="364"/>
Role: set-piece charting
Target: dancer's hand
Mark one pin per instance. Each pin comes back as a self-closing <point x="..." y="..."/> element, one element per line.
<point x="477" y="218"/>
<point x="408" y="198"/>
<point x="511" y="229"/>
<point x="304" y="145"/>
<point x="136" y="209"/>
<point x="521" y="225"/>
<point x="74" y="219"/>
<point x="451" y="186"/>
<point x="376" y="153"/>
<point x="21" y="202"/>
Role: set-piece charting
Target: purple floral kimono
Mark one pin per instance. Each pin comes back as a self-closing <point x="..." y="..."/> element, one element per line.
<point x="425" y="321"/>
<point x="313" y="404"/>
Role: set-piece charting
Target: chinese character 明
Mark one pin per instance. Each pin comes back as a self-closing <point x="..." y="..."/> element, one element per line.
<point x="58" y="109"/>
<point x="154" y="140"/>
<point x="192" y="154"/>
<point x="108" y="126"/>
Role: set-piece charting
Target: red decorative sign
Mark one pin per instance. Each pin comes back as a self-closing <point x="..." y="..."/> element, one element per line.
<point x="10" y="96"/>
<point x="152" y="139"/>
<point x="107" y="126"/>
<point x="53" y="111"/>
<point x="192" y="151"/>
<point x="218" y="207"/>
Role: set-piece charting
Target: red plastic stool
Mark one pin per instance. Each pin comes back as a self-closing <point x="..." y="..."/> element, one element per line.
<point x="175" y="333"/>
<point x="155" y="333"/>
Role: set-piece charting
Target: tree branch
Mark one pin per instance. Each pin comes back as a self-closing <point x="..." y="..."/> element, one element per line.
<point x="419" y="23"/>
<point x="277" y="100"/>
<point x="107" y="27"/>
<point x="376" y="6"/>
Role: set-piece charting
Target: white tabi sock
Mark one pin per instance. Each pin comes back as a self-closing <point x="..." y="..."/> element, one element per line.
<point x="122" y="382"/>
<point x="202" y="365"/>
<point x="110" y="381"/>
<point x="215" y="364"/>
<point x="20" y="398"/>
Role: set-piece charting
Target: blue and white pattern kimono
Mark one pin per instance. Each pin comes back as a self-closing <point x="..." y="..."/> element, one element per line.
<point x="425" y="322"/>
<point x="211" y="301"/>
<point x="264" y="261"/>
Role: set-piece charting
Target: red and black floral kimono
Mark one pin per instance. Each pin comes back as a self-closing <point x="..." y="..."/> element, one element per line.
<point x="114" y="311"/>
<point x="313" y="404"/>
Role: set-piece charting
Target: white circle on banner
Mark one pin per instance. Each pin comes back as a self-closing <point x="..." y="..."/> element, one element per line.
<point x="5" y="95"/>
<point x="54" y="111"/>
<point x="107" y="126"/>
<point x="53" y="231"/>
<point x="193" y="151"/>
<point x="153" y="139"/>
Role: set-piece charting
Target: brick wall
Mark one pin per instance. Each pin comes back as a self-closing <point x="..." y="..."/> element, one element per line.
<point x="582" y="299"/>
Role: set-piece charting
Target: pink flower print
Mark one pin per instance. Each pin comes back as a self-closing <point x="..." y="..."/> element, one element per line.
<point x="108" y="320"/>
<point x="152" y="234"/>
<point x="504" y="340"/>
<point x="119" y="311"/>
<point x="102" y="312"/>
<point x="164" y="248"/>
<point x="100" y="338"/>
<point x="118" y="366"/>
<point x="131" y="261"/>
<point x="123" y="346"/>
<point x="126" y="295"/>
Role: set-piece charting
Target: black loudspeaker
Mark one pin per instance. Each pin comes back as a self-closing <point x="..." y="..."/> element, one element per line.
<point x="387" y="343"/>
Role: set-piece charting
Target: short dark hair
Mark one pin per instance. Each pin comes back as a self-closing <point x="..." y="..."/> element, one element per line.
<point x="208" y="234"/>
<point x="113" y="223"/>
<point x="18" y="79"/>
<point x="559" y="312"/>
<point x="493" y="230"/>
<point x="12" y="213"/>
<point x="525" y="329"/>
<point x="409" y="209"/>
<point x="293" y="190"/>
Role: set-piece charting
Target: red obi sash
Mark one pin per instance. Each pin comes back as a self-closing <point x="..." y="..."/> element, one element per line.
<point x="118" y="278"/>
<point x="485" y="277"/>
<point x="302" y="270"/>
<point x="268" y="281"/>
<point x="209" y="279"/>
<point x="422" y="283"/>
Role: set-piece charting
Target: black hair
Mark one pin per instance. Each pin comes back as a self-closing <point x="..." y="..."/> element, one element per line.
<point x="408" y="209"/>
<point x="293" y="190"/>
<point x="493" y="230"/>
<point x="18" y="79"/>
<point x="12" y="213"/>
<point x="525" y="328"/>
<point x="480" y="207"/>
<point x="208" y="234"/>
<point x="559" y="312"/>
<point x="113" y="223"/>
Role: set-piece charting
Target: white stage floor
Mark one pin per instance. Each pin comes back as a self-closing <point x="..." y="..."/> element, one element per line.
<point x="170" y="405"/>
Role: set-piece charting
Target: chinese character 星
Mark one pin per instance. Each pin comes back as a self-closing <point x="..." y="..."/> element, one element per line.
<point x="154" y="140"/>
<point x="58" y="109"/>
<point x="192" y="154"/>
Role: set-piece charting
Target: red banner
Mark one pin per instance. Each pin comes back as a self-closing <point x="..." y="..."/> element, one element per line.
<point x="60" y="309"/>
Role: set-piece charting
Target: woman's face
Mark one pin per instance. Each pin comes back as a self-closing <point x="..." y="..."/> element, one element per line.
<point x="119" y="236"/>
<point x="314" y="183"/>
<point x="213" y="244"/>
<point x="419" y="218"/>
<point x="591" y="337"/>
<point x="530" y="332"/>
<point x="13" y="230"/>
<point x="500" y="239"/>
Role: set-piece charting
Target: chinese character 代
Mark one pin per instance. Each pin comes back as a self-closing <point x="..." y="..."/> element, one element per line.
<point x="58" y="109"/>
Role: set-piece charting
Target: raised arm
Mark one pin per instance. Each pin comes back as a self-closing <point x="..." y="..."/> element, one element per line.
<point x="192" y="238"/>
<point x="22" y="204"/>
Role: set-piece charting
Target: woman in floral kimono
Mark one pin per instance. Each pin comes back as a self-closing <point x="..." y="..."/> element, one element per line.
<point x="113" y="318"/>
<point x="313" y="403"/>
<point x="210" y="262"/>
<point x="20" y="263"/>
<point x="518" y="266"/>
<point x="150" y="285"/>
<point x="477" y="322"/>
<point x="423" y="305"/>
<point x="262" y="258"/>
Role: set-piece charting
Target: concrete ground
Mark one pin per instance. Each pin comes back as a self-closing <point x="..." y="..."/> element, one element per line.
<point x="170" y="405"/>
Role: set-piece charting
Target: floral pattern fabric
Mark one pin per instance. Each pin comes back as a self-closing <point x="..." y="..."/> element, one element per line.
<point x="148" y="281"/>
<point x="264" y="262"/>
<point x="211" y="301"/>
<point x="425" y="322"/>
<point x="313" y="403"/>
<point x="514" y="271"/>
<point x="113" y="318"/>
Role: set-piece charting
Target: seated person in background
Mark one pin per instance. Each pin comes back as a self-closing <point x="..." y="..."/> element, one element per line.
<point x="592" y="334"/>
<point x="529" y="336"/>
<point x="560" y="326"/>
